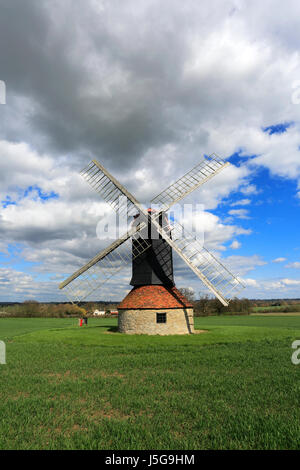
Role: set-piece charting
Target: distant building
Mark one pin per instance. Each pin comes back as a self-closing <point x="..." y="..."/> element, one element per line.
<point x="114" y="312"/>
<point x="99" y="313"/>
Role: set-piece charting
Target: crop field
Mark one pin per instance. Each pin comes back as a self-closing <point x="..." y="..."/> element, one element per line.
<point x="232" y="387"/>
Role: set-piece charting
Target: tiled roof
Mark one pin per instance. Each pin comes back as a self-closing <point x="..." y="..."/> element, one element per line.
<point x="156" y="297"/>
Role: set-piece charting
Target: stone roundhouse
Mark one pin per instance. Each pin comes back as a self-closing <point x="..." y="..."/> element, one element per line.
<point x="155" y="310"/>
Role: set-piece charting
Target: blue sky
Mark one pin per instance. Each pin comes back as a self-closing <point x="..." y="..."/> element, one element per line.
<point x="33" y="192"/>
<point x="272" y="216"/>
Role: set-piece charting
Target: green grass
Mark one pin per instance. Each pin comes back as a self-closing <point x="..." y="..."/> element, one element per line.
<point x="11" y="327"/>
<point x="233" y="387"/>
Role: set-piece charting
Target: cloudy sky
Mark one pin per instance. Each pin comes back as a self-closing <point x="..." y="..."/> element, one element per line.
<point x="147" y="88"/>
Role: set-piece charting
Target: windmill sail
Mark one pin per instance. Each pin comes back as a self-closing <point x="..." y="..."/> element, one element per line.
<point x="133" y="244"/>
<point x="199" y="175"/>
<point x="212" y="272"/>
<point x="105" y="265"/>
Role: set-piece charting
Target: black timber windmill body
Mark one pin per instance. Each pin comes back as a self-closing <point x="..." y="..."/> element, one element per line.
<point x="155" y="265"/>
<point x="151" y="256"/>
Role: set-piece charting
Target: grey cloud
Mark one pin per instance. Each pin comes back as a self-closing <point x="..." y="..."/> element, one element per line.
<point x="45" y="59"/>
<point x="110" y="83"/>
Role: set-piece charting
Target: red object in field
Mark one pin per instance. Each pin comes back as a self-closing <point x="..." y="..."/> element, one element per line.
<point x="80" y="323"/>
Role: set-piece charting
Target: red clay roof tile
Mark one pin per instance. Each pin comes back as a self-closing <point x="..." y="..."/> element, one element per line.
<point x="154" y="297"/>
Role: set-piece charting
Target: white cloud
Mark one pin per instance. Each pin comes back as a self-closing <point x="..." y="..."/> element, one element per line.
<point x="239" y="213"/>
<point x="242" y="202"/>
<point x="279" y="153"/>
<point x="235" y="245"/>
<point x="250" y="189"/>
<point x="241" y="265"/>
<point x="250" y="282"/>
<point x="279" y="260"/>
<point x="19" y="286"/>
<point x="291" y="282"/>
<point x="272" y="288"/>
<point x="259" y="288"/>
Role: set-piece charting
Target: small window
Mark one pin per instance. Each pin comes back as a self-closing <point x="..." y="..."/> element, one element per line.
<point x="161" y="318"/>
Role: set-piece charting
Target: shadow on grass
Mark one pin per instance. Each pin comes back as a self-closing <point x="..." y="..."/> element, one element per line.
<point x="113" y="329"/>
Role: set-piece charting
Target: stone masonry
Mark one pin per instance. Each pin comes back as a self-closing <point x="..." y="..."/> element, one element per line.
<point x="179" y="321"/>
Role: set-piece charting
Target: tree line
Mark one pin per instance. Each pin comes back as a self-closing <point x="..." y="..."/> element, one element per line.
<point x="34" y="309"/>
<point x="206" y="305"/>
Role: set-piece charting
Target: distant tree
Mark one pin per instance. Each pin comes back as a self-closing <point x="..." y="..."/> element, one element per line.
<point x="188" y="293"/>
<point x="202" y="306"/>
<point x="218" y="307"/>
<point x="110" y="306"/>
<point x="31" y="307"/>
<point x="62" y="310"/>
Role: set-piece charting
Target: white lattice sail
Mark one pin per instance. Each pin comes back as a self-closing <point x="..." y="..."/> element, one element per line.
<point x="104" y="266"/>
<point x="204" y="264"/>
<point x="120" y="253"/>
<point x="199" y="175"/>
<point x="110" y="189"/>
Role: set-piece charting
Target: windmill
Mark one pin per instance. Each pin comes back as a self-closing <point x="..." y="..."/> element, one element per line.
<point x="154" y="305"/>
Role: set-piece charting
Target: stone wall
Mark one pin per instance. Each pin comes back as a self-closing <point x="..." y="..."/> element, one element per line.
<point x="179" y="322"/>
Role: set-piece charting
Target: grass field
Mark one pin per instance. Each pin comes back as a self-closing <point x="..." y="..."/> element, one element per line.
<point x="232" y="387"/>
